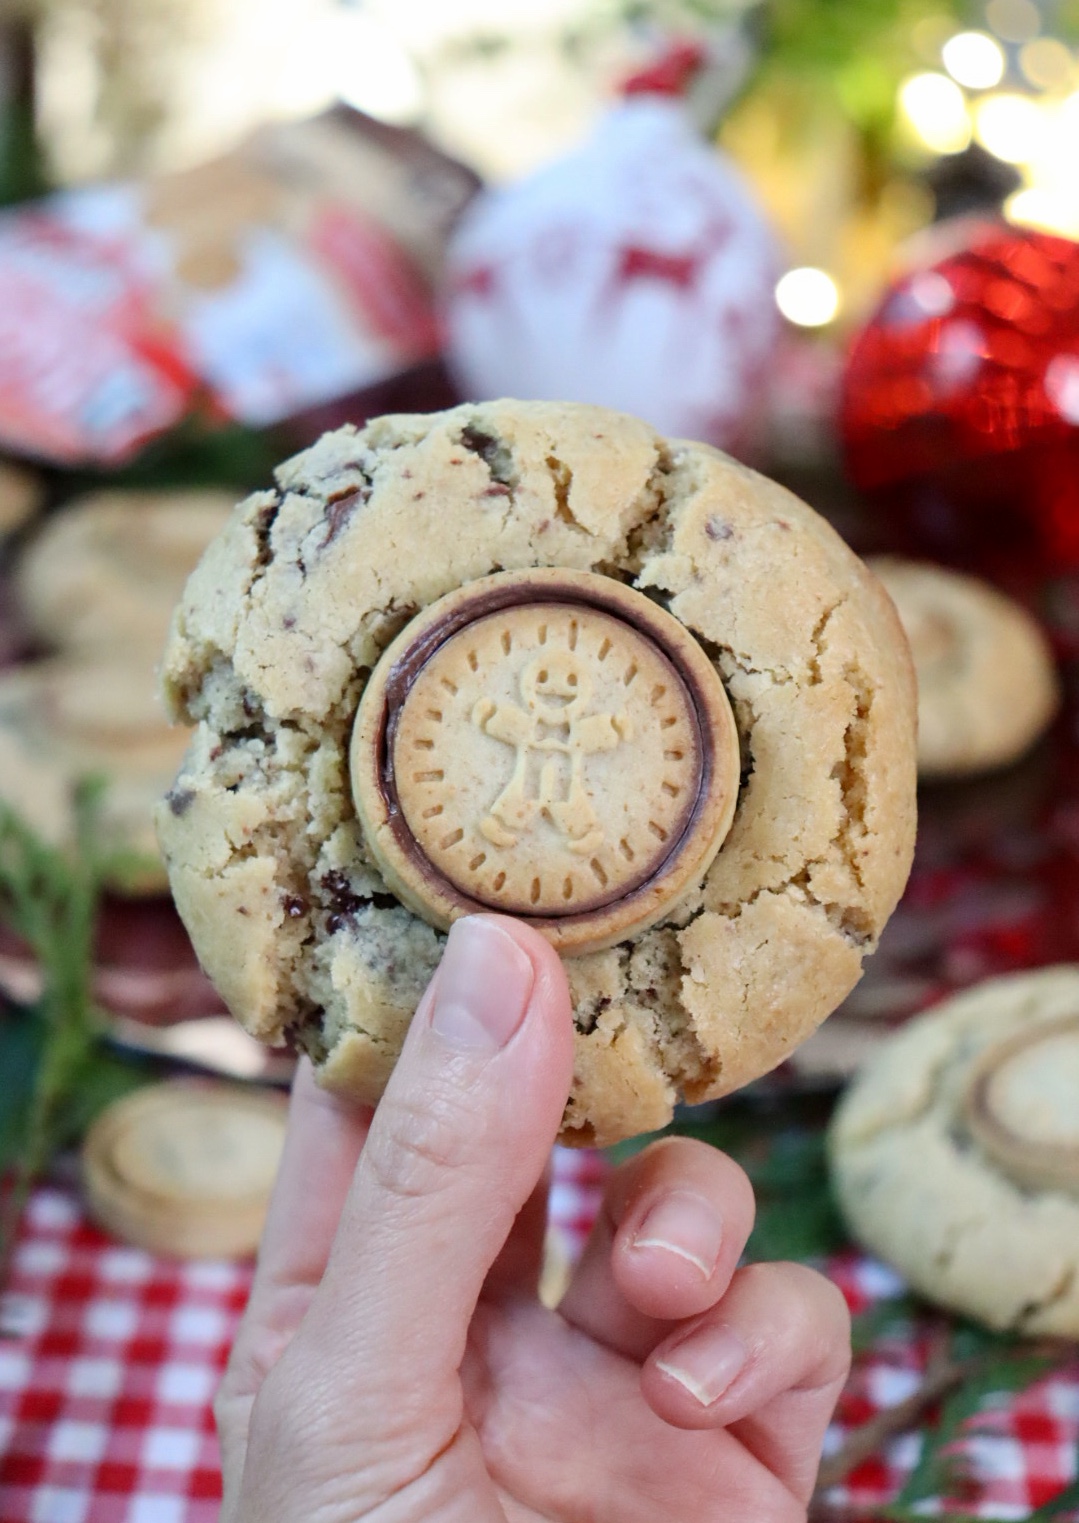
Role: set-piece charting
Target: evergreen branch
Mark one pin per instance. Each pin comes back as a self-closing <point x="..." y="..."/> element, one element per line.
<point x="49" y="900"/>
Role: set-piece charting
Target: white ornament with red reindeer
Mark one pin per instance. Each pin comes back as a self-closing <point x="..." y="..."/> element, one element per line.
<point x="638" y="273"/>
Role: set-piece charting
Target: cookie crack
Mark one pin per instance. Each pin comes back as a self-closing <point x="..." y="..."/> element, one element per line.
<point x="342" y="503"/>
<point x="562" y="480"/>
<point x="820" y="643"/>
<point x="498" y="457"/>
<point x="851" y="920"/>
<point x="849" y="772"/>
<point x="263" y="529"/>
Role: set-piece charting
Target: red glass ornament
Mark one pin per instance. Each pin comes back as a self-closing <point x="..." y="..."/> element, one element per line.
<point x="961" y="397"/>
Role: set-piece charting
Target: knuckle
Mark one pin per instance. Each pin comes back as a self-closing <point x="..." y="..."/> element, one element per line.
<point x="415" y="1144"/>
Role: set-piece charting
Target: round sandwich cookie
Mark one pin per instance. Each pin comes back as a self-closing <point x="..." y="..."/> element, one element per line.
<point x="185" y="1168"/>
<point x="532" y="658"/>
<point x="987" y="683"/>
<point x="104" y="573"/>
<point x="613" y="732"/>
<point x="956" y="1153"/>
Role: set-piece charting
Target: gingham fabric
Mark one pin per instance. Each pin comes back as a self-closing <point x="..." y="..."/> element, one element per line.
<point x="111" y="1358"/>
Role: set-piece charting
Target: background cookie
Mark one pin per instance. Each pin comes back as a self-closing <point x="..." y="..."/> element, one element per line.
<point x="97" y="584"/>
<point x="987" y="685"/>
<point x="66" y="720"/>
<point x="290" y="611"/>
<point x="21" y="493"/>
<point x="106" y="571"/>
<point x="956" y="1154"/>
<point x="185" y="1168"/>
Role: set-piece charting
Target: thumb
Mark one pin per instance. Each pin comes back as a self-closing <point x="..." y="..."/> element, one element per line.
<point x="457" y="1144"/>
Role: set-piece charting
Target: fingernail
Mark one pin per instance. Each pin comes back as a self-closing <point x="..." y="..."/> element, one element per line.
<point x="684" y="1224"/>
<point x="707" y="1363"/>
<point x="483" y="987"/>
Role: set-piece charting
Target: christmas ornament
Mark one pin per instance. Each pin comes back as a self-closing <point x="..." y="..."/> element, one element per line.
<point x="961" y="395"/>
<point x="637" y="273"/>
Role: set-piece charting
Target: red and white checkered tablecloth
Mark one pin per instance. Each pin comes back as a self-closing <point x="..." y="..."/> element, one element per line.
<point x="112" y="1356"/>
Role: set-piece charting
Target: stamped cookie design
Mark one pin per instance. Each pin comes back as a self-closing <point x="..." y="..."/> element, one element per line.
<point x="550" y="744"/>
<point x="588" y="751"/>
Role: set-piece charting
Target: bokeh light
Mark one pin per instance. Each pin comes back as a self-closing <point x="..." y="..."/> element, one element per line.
<point x="974" y="60"/>
<point x="1047" y="64"/>
<point x="1010" y="127"/>
<point x="808" y="297"/>
<point x="1014" y="20"/>
<point x="936" y="109"/>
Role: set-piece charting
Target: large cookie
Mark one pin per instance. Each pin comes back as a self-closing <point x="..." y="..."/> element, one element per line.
<point x="987" y="684"/>
<point x="956" y="1154"/>
<point x="767" y="842"/>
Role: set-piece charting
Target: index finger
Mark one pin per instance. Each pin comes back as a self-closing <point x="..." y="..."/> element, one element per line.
<point x="322" y="1146"/>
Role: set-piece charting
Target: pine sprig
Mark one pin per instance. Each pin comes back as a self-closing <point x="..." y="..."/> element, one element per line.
<point x="1002" y="1367"/>
<point x="49" y="900"/>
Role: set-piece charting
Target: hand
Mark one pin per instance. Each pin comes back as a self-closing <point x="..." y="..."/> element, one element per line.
<point x="394" y="1364"/>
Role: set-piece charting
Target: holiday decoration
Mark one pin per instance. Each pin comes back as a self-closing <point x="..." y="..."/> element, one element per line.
<point x="291" y="274"/>
<point x="637" y="273"/>
<point x="961" y="395"/>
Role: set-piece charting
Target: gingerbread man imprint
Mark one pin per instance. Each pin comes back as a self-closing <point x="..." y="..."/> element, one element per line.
<point x="552" y="735"/>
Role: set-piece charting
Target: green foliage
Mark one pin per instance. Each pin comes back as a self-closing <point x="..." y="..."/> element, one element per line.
<point x="195" y="454"/>
<point x="57" y="1076"/>
<point x="890" y="1317"/>
<point x="1064" y="1505"/>
<point x="999" y="1366"/>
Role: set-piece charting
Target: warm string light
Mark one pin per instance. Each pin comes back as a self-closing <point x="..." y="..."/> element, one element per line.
<point x="972" y="98"/>
<point x="808" y="297"/>
<point x="936" y="109"/>
<point x="974" y="60"/>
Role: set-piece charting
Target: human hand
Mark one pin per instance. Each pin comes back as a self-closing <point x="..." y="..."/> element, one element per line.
<point x="394" y="1363"/>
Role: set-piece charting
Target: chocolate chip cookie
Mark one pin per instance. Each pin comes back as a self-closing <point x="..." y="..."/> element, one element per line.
<point x="535" y="658"/>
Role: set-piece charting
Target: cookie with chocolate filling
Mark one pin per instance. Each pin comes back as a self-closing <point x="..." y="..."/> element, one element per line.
<point x="534" y="658"/>
<point x="956" y="1153"/>
<point x="987" y="683"/>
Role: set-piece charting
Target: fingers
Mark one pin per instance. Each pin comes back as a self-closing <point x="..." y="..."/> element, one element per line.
<point x="674" y="1223"/>
<point x="519" y="1266"/>
<point x="456" y="1148"/>
<point x="767" y="1363"/>
<point x="324" y="1139"/>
